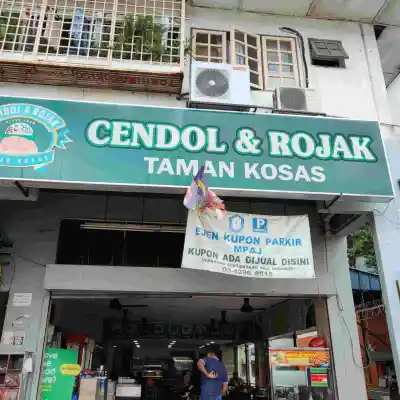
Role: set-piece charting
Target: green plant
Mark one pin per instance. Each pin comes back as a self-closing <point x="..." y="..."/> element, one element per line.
<point x="139" y="38"/>
<point x="8" y="29"/>
<point x="362" y="245"/>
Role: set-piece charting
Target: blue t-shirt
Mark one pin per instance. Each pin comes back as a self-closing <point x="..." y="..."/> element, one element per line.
<point x="213" y="386"/>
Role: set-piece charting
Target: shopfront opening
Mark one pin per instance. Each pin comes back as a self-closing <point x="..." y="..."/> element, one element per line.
<point x="146" y="347"/>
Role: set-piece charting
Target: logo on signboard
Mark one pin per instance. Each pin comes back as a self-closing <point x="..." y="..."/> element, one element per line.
<point x="29" y="135"/>
<point x="236" y="223"/>
<point x="260" y="225"/>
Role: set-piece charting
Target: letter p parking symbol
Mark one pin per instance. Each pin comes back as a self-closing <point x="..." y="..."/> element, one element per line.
<point x="260" y="225"/>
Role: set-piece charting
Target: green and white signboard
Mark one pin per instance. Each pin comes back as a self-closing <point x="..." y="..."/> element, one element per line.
<point x="125" y="146"/>
<point x="57" y="380"/>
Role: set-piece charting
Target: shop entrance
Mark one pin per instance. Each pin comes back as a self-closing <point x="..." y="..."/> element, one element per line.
<point x="147" y="347"/>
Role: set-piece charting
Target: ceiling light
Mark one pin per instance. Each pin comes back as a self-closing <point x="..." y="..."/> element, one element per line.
<point x="212" y="342"/>
<point x="115" y="346"/>
<point x="138" y="346"/>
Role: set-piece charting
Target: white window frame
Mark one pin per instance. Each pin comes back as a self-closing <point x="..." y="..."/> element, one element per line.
<point x="209" y="45"/>
<point x="233" y="54"/>
<point x="280" y="75"/>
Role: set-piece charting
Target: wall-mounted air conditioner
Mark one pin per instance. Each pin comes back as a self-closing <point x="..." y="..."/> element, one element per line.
<point x="267" y="99"/>
<point x="290" y="99"/>
<point x="224" y="84"/>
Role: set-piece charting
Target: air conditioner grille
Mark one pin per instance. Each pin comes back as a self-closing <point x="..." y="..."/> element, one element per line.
<point x="212" y="82"/>
<point x="293" y="99"/>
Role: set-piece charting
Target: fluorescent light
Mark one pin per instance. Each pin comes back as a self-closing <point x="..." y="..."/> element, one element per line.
<point x="110" y="226"/>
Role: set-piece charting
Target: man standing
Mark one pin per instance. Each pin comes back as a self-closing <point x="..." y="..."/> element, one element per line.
<point x="214" y="379"/>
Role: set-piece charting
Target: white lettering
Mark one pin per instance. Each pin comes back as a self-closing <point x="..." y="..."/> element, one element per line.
<point x="165" y="166"/>
<point x="341" y="149"/>
<point x="361" y="149"/>
<point x="167" y="137"/>
<point x="250" y="171"/>
<point x="186" y="169"/>
<point x="142" y="135"/>
<point x="224" y="168"/>
<point x="213" y="143"/>
<point x="150" y="163"/>
<point x="303" y="145"/>
<point x="120" y="133"/>
<point x="92" y="132"/>
<point x="193" y="138"/>
<point x="273" y="172"/>
<point x="279" y="144"/>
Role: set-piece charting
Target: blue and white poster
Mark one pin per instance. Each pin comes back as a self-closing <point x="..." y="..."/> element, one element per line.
<point x="247" y="245"/>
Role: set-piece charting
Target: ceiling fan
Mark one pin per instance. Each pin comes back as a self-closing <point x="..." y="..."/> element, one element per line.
<point x="247" y="307"/>
<point x="115" y="304"/>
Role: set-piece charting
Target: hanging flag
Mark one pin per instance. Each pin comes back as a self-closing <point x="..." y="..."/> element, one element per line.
<point x="197" y="193"/>
<point x="199" y="196"/>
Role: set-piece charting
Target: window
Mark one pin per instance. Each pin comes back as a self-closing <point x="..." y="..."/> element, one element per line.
<point x="209" y="46"/>
<point x="115" y="33"/>
<point x="245" y="49"/>
<point x="280" y="62"/>
<point x="327" y="53"/>
<point x="274" y="56"/>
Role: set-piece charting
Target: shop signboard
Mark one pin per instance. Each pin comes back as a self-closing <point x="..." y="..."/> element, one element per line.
<point x="151" y="330"/>
<point x="307" y="367"/>
<point x="248" y="245"/>
<point x="59" y="371"/>
<point x="313" y="357"/>
<point x="77" y="144"/>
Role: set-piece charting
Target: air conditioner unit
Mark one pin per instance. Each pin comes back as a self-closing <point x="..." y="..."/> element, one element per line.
<point x="290" y="99"/>
<point x="223" y="84"/>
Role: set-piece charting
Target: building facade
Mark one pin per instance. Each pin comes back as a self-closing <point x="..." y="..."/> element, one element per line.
<point x="136" y="97"/>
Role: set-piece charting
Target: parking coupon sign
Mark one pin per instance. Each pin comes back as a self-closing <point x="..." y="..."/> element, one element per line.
<point x="253" y="246"/>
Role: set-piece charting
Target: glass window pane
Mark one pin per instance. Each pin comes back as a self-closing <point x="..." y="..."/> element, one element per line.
<point x="273" y="68"/>
<point x="201" y="38"/>
<point x="273" y="56"/>
<point x="287" y="69"/>
<point x="254" y="78"/>
<point x="286" y="46"/>
<point x="253" y="65"/>
<point x="240" y="48"/>
<point x="240" y="60"/>
<point x="216" y="39"/>
<point x="216" y="51"/>
<point x="200" y="58"/>
<point x="287" y="58"/>
<point x="253" y="53"/>
<point x="202" y="50"/>
<point x="239" y="36"/>
<point x="216" y="60"/>
<point x="273" y="83"/>
<point x="252" y="40"/>
<point x="289" y="82"/>
<point x="272" y="44"/>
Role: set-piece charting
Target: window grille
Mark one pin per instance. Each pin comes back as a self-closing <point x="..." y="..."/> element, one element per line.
<point x="116" y="34"/>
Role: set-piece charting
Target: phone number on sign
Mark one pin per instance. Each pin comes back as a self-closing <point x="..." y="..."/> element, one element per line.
<point x="245" y="272"/>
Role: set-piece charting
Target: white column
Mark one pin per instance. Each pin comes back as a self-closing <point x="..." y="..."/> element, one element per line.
<point x="387" y="245"/>
<point x="343" y="325"/>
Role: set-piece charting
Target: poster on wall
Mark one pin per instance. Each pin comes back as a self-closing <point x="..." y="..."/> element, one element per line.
<point x="58" y="380"/>
<point x="248" y="245"/>
<point x="299" y="357"/>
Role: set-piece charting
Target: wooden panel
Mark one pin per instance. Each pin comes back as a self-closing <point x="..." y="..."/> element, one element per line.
<point x="145" y="81"/>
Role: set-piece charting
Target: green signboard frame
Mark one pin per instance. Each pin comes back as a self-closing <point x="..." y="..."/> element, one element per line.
<point x="124" y="147"/>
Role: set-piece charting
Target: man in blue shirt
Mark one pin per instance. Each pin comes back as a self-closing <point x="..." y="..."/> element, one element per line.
<point x="214" y="379"/>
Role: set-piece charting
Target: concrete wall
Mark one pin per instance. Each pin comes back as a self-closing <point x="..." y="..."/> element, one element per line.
<point x="343" y="92"/>
<point x="386" y="221"/>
